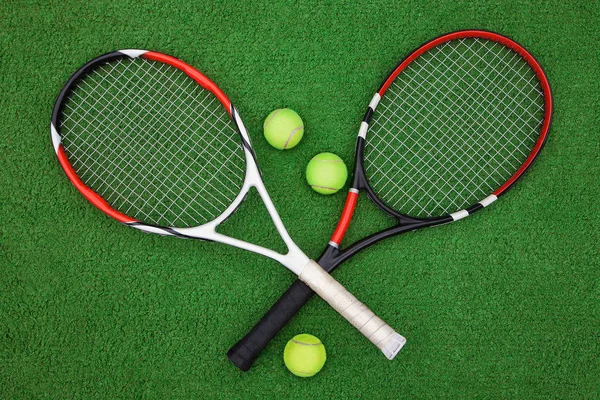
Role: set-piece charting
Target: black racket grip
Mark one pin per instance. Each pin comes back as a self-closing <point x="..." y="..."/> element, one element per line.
<point x="244" y="353"/>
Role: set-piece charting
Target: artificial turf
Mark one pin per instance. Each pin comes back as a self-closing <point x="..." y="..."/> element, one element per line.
<point x="505" y="304"/>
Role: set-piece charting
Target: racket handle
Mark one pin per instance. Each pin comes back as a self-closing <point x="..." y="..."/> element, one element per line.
<point x="370" y="325"/>
<point x="244" y="353"/>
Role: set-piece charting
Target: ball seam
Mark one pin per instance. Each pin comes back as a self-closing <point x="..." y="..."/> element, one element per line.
<point x="307" y="344"/>
<point x="271" y="117"/>
<point x="291" y="136"/>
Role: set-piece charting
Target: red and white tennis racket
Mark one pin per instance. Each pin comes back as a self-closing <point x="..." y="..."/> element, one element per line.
<point x="156" y="145"/>
<point x="451" y="129"/>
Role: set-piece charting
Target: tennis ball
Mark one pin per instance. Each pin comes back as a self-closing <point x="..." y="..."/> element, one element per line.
<point x="304" y="355"/>
<point x="326" y="173"/>
<point x="283" y="129"/>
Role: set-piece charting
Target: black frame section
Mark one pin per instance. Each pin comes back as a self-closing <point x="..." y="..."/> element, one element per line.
<point x="75" y="78"/>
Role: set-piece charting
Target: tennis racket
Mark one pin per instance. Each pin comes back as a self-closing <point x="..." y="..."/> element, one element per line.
<point x="156" y="145"/>
<point x="451" y="129"/>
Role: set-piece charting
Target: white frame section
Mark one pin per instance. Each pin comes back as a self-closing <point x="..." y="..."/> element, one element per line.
<point x="295" y="260"/>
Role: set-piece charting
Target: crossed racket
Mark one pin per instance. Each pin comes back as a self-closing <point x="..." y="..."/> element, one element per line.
<point x="155" y="144"/>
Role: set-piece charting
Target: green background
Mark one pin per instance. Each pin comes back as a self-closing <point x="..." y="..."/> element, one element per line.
<point x="504" y="305"/>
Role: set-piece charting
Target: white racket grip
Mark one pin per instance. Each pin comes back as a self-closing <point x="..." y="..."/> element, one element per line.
<point x="370" y="325"/>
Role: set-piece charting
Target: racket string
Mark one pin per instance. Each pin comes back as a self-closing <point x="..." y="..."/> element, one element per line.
<point x="153" y="143"/>
<point x="448" y="127"/>
<point x="416" y="120"/>
<point x="452" y="127"/>
<point x="443" y="165"/>
<point x="134" y="177"/>
<point x="426" y="164"/>
<point x="179" y="176"/>
<point x="523" y="66"/>
<point x="390" y="180"/>
<point x="475" y="92"/>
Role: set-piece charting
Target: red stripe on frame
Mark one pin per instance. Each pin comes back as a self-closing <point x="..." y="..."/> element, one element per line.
<point x="344" y="222"/>
<point x="547" y="110"/>
<point x="88" y="193"/>
<point x="192" y="73"/>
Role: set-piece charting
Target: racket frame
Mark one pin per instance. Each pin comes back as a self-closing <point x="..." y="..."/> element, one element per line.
<point x="246" y="351"/>
<point x="372" y="327"/>
<point x="361" y="181"/>
<point x="294" y="260"/>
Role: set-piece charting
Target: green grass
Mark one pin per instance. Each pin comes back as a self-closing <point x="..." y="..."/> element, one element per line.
<point x="502" y="305"/>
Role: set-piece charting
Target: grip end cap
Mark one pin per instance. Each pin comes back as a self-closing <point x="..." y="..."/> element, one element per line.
<point x="241" y="357"/>
<point x="392" y="345"/>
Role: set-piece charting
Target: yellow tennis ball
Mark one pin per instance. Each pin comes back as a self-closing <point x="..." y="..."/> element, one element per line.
<point x="304" y="355"/>
<point x="283" y="129"/>
<point x="326" y="173"/>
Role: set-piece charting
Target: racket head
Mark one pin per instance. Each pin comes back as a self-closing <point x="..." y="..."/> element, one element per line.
<point x="454" y="126"/>
<point x="153" y="143"/>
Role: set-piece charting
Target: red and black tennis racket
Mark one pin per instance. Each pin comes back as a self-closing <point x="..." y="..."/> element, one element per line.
<point x="158" y="146"/>
<point x="451" y="129"/>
